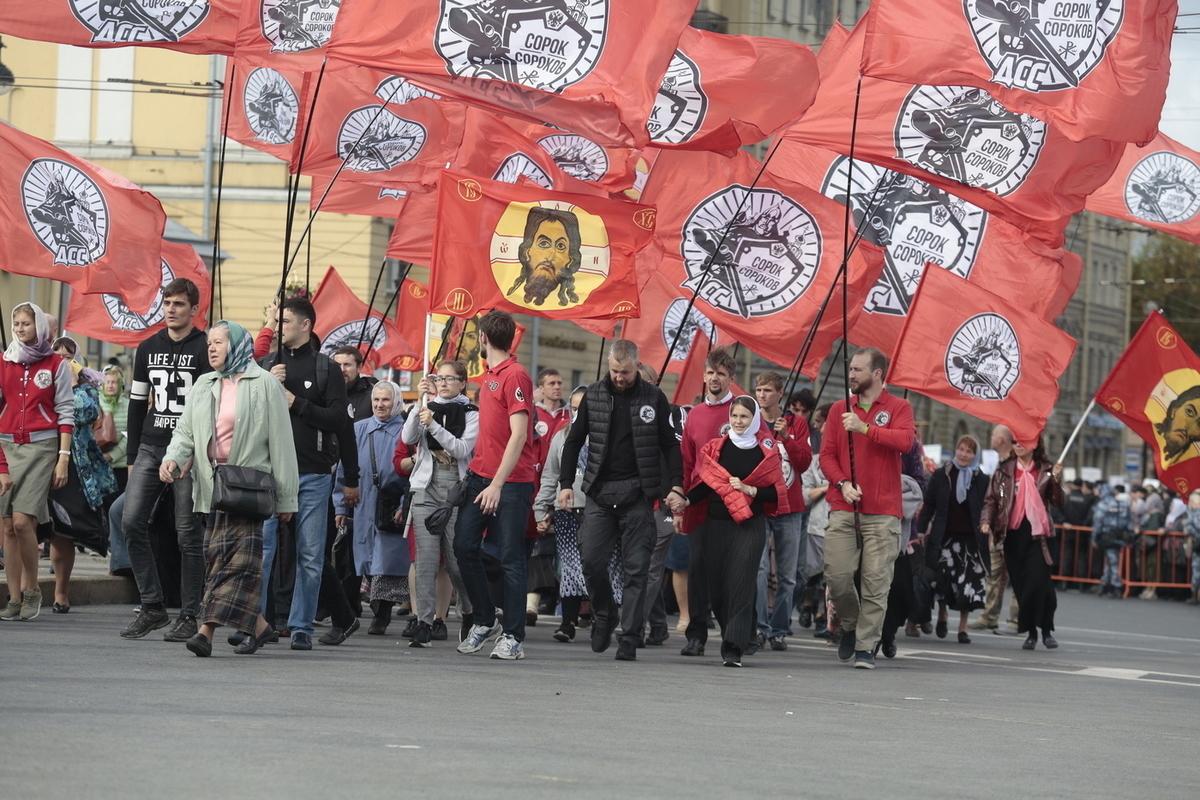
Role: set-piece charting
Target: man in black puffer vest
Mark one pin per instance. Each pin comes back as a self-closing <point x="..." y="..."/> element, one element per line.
<point x="624" y="423"/>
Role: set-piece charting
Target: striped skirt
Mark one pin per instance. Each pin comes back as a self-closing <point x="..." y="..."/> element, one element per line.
<point x="233" y="561"/>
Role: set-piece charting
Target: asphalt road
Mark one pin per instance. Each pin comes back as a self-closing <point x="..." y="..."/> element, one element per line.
<point x="1114" y="712"/>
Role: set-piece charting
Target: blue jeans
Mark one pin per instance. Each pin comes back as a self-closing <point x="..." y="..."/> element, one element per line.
<point x="787" y="530"/>
<point x="311" y="521"/>
<point x="506" y="528"/>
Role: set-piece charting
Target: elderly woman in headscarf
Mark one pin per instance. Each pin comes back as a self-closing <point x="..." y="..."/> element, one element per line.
<point x="379" y="554"/>
<point x="113" y="400"/>
<point x="739" y="482"/>
<point x="955" y="547"/>
<point x="37" y="420"/>
<point x="235" y="415"/>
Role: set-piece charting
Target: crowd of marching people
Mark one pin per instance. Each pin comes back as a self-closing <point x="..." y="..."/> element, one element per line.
<point x="300" y="490"/>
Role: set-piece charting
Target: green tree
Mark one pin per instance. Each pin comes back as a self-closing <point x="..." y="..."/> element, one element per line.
<point x="1170" y="269"/>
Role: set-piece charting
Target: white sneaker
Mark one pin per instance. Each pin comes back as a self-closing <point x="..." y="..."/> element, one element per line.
<point x="479" y="636"/>
<point x="508" y="648"/>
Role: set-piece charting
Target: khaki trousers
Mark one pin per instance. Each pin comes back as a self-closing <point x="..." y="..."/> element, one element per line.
<point x="862" y="612"/>
<point x="997" y="582"/>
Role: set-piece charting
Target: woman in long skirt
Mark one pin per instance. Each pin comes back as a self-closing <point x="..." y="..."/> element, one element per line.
<point x="739" y="482"/>
<point x="235" y="415"/>
<point x="1017" y="511"/>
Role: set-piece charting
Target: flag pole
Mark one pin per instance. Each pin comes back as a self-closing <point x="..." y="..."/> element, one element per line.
<point x="858" y="537"/>
<point x="1075" y="432"/>
<point x="214" y="273"/>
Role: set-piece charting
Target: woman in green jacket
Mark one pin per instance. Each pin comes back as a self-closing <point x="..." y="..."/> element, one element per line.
<point x="235" y="415"/>
<point x="113" y="400"/>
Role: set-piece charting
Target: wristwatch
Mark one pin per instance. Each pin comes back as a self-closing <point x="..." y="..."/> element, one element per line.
<point x="839" y="484"/>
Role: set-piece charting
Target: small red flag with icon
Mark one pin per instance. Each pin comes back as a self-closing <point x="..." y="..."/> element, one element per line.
<point x="344" y="319"/>
<point x="975" y="351"/>
<point x="530" y="250"/>
<point x="1154" y="388"/>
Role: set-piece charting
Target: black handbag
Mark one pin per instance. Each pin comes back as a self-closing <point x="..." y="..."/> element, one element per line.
<point x="387" y="501"/>
<point x="242" y="491"/>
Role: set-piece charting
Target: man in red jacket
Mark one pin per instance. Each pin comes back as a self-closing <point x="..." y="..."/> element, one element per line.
<point x="865" y="513"/>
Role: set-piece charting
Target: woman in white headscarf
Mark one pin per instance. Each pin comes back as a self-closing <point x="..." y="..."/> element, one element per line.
<point x="37" y="419"/>
<point x="739" y="481"/>
<point x="955" y="547"/>
<point x="382" y="555"/>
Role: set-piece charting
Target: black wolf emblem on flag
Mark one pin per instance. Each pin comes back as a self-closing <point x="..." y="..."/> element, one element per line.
<point x="66" y="210"/>
<point x="293" y="26"/>
<point x="1163" y="187"/>
<point x="373" y="139"/>
<point x="271" y="106"/>
<point x="983" y="359"/>
<point x="135" y="21"/>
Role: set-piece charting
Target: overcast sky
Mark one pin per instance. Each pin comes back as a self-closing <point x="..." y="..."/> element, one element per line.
<point x="1181" y="115"/>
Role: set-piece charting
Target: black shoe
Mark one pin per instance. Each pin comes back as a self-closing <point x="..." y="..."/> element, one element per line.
<point x="1049" y="641"/>
<point x="145" y="622"/>
<point x="941" y="629"/>
<point x="806" y="617"/>
<point x="846" y="647"/>
<point x="410" y="630"/>
<point x="888" y="648"/>
<point x="200" y="645"/>
<point x="59" y="608"/>
<point x="731" y="656"/>
<point x="864" y="660"/>
<point x="694" y="647"/>
<point x="468" y="621"/>
<point x="712" y="624"/>
<point x="602" y="633"/>
<point x="658" y="636"/>
<point x="301" y="641"/>
<point x="251" y="644"/>
<point x="237" y="638"/>
<point x="379" y="626"/>
<point x="757" y="643"/>
<point x="565" y="633"/>
<point x="963" y="638"/>
<point x="438" y="631"/>
<point x="530" y="617"/>
<point x="626" y="650"/>
<point x="184" y="629"/>
<point x="778" y="643"/>
<point x="336" y="635"/>
<point x="1030" y="643"/>
<point x="423" y="636"/>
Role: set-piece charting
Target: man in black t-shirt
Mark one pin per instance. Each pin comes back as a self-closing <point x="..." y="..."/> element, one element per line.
<point x="165" y="368"/>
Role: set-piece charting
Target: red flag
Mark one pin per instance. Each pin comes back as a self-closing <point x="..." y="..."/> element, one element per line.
<point x="691" y="374"/>
<point x="412" y="238"/>
<point x="762" y="258"/>
<point x="977" y="352"/>
<point x="401" y="146"/>
<point x="1154" y="388"/>
<point x="457" y="339"/>
<point x="264" y="107"/>
<point x="961" y="140"/>
<point x="831" y="48"/>
<point x="344" y="319"/>
<point x="354" y="197"/>
<point x="534" y="251"/>
<point x="70" y="220"/>
<point x="412" y="316"/>
<point x="1088" y="68"/>
<point x="287" y="34"/>
<point x="589" y="66"/>
<point x="189" y="26"/>
<point x="611" y="168"/>
<point x="721" y="92"/>
<point x="918" y="224"/>
<point x="664" y="309"/>
<point x="107" y="318"/>
<point x="1157" y="186"/>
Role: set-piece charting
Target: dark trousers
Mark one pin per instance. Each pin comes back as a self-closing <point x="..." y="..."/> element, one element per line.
<point x="141" y="493"/>
<point x="507" y="529"/>
<point x="332" y="594"/>
<point x="656" y="608"/>
<point x="901" y="598"/>
<point x="629" y="526"/>
<point x="1030" y="576"/>
<point x="732" y="552"/>
<point x="278" y="603"/>
<point x="698" y="604"/>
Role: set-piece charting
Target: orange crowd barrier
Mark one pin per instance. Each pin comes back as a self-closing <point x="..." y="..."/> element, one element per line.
<point x="1155" y="559"/>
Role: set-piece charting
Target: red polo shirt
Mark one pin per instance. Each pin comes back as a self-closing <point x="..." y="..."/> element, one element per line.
<point x="877" y="453"/>
<point x="506" y="390"/>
